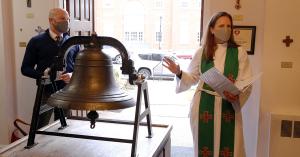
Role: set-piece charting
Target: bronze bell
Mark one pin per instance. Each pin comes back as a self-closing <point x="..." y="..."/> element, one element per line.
<point x="92" y="86"/>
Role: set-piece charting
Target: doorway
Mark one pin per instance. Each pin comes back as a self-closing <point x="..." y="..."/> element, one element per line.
<point x="151" y="29"/>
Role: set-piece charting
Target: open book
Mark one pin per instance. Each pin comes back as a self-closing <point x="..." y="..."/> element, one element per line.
<point x="218" y="82"/>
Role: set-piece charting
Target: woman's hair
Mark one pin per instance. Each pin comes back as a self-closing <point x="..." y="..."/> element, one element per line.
<point x="209" y="44"/>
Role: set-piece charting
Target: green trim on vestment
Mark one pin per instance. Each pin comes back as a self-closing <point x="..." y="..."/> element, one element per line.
<point x="206" y="112"/>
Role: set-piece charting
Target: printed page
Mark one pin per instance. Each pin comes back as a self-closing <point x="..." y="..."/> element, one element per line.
<point x="218" y="82"/>
<point x="243" y="85"/>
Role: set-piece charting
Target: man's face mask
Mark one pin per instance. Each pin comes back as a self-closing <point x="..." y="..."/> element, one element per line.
<point x="62" y="26"/>
<point x="222" y="34"/>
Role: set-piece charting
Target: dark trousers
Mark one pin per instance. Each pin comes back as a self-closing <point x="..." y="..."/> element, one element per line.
<point x="46" y="110"/>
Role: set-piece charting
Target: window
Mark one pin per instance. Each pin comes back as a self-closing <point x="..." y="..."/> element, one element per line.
<point x="157" y="57"/>
<point x="133" y="22"/>
<point x="184" y="3"/>
<point x="158" y="4"/>
<point x="133" y="36"/>
<point x="144" y="56"/>
<point x="141" y="37"/>
<point x="127" y="36"/>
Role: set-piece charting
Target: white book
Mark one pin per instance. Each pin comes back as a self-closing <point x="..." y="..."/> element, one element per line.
<point x="244" y="84"/>
<point x="218" y="82"/>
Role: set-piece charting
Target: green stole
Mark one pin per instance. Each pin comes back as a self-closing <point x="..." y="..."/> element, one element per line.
<point x="206" y="112"/>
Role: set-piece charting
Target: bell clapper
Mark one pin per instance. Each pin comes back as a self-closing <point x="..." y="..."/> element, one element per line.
<point x="93" y="115"/>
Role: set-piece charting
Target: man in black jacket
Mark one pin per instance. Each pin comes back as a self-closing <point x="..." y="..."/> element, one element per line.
<point x="40" y="53"/>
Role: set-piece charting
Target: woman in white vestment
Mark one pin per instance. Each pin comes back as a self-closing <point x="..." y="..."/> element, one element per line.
<point x="216" y="124"/>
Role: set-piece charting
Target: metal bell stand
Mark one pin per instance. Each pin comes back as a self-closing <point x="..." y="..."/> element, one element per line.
<point x="127" y="68"/>
<point x="142" y="90"/>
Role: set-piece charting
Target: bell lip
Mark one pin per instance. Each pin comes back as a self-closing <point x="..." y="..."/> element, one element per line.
<point x="92" y="97"/>
<point x="82" y="105"/>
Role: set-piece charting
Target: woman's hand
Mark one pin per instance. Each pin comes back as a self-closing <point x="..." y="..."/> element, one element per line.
<point x="231" y="97"/>
<point x="171" y="65"/>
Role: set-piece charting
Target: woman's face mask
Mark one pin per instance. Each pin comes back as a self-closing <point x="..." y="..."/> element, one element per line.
<point x="222" y="29"/>
<point x="62" y="26"/>
<point x="222" y="34"/>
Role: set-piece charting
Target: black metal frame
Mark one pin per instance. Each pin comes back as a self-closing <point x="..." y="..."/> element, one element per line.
<point x="36" y="109"/>
<point x="251" y="38"/>
<point x="142" y="89"/>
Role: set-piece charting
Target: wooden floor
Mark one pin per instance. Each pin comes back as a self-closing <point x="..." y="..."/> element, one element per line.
<point x="53" y="146"/>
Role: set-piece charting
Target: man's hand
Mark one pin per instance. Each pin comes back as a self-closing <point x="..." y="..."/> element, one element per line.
<point x="46" y="73"/>
<point x="66" y="77"/>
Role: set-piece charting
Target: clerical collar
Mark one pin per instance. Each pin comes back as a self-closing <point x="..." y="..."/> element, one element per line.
<point x="53" y="35"/>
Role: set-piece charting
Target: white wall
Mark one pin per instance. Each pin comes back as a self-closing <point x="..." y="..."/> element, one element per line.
<point x="280" y="86"/>
<point x="26" y="20"/>
<point x="283" y="97"/>
<point x="17" y="92"/>
<point x="252" y="13"/>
